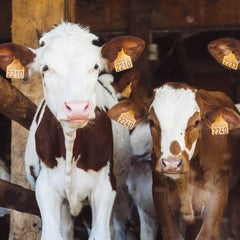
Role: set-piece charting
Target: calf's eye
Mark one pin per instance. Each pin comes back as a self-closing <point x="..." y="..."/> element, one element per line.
<point x="45" y="68"/>
<point x="197" y="123"/>
<point x="96" y="66"/>
<point x="42" y="44"/>
<point x="151" y="122"/>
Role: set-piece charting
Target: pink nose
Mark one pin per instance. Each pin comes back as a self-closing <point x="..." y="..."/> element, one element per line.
<point x="172" y="165"/>
<point x="77" y="111"/>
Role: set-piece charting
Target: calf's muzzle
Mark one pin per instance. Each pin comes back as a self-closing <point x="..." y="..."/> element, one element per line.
<point x="172" y="165"/>
<point x="77" y="111"/>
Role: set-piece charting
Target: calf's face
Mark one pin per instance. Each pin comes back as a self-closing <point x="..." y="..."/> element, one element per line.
<point x="69" y="63"/>
<point x="174" y="116"/>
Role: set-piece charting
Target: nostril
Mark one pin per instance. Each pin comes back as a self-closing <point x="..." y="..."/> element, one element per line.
<point x="164" y="165"/>
<point x="86" y="107"/>
<point x="67" y="107"/>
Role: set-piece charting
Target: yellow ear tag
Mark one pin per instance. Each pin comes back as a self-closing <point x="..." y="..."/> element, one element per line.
<point x="15" y="69"/>
<point x="230" y="61"/>
<point x="127" y="119"/>
<point x="127" y="91"/>
<point x="122" y="62"/>
<point x="220" y="126"/>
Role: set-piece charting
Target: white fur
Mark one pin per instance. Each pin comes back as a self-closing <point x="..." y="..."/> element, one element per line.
<point x="141" y="139"/>
<point x="173" y="108"/>
<point x="71" y="76"/>
<point x="238" y="106"/>
<point x="70" y="56"/>
<point x="139" y="181"/>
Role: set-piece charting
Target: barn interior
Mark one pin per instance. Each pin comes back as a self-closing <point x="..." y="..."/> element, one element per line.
<point x="176" y="33"/>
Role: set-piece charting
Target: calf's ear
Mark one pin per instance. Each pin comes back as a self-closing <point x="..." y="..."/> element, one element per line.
<point x="132" y="46"/>
<point x="229" y="115"/>
<point x="223" y="47"/>
<point x="138" y="108"/>
<point x="11" y="51"/>
<point x="127" y="83"/>
<point x="214" y="104"/>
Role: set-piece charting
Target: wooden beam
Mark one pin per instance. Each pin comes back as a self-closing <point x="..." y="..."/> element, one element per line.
<point x="15" y="197"/>
<point x="27" y="17"/>
<point x="140" y="25"/>
<point x="70" y="10"/>
<point x="15" y="105"/>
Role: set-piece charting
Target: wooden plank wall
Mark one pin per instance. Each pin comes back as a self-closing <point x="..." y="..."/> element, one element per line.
<point x="27" y="17"/>
<point x="107" y="15"/>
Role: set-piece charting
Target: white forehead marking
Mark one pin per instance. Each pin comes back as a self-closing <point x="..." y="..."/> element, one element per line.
<point x="67" y="44"/>
<point x="173" y="108"/>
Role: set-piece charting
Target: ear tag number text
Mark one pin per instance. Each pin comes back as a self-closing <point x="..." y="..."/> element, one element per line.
<point x="230" y="61"/>
<point x="122" y="62"/>
<point x="220" y="126"/>
<point x="15" y="69"/>
<point x="127" y="119"/>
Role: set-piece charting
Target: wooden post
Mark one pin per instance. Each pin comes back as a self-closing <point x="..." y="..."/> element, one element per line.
<point x="140" y="25"/>
<point x="27" y="18"/>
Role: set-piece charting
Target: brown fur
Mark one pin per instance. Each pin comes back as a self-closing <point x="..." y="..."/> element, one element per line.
<point x="93" y="143"/>
<point x="175" y="148"/>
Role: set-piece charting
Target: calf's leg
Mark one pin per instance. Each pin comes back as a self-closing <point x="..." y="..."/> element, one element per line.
<point x="101" y="201"/>
<point x="213" y="215"/>
<point x="50" y="204"/>
<point x="169" y="228"/>
<point x="66" y="222"/>
<point x="148" y="225"/>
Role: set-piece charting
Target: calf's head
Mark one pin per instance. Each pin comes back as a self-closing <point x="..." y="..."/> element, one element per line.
<point x="70" y="60"/>
<point x="177" y="114"/>
<point x="224" y="47"/>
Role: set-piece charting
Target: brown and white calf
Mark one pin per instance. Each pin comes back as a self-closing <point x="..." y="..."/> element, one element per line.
<point x="73" y="151"/>
<point x="193" y="170"/>
<point x="227" y="52"/>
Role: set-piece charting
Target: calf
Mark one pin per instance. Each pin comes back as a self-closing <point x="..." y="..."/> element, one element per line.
<point x="73" y="150"/>
<point x="139" y="181"/>
<point x="227" y="52"/>
<point x="193" y="170"/>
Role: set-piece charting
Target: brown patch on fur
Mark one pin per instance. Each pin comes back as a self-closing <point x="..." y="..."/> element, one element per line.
<point x="156" y="136"/>
<point x="175" y="148"/>
<point x="192" y="131"/>
<point x="186" y="166"/>
<point x="94" y="144"/>
<point x="155" y="131"/>
<point x="50" y="139"/>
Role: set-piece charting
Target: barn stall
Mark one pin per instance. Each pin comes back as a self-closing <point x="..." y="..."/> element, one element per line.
<point x="176" y="35"/>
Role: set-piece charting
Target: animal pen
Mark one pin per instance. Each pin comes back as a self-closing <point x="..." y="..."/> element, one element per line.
<point x="176" y="34"/>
